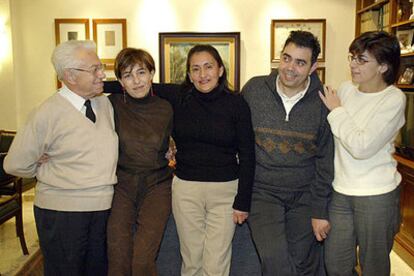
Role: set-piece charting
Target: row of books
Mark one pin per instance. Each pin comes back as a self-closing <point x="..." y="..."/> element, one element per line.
<point x="375" y="19"/>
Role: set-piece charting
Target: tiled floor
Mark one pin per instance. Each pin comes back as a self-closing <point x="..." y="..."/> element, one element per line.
<point x="11" y="255"/>
<point x="12" y="258"/>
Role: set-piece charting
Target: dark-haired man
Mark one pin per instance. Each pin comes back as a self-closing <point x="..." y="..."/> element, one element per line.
<point x="294" y="161"/>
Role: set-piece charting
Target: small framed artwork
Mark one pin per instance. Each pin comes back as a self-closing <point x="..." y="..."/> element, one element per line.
<point x="110" y="36"/>
<point x="281" y="29"/>
<point x="407" y="76"/>
<point x="321" y="74"/>
<point x="71" y="29"/>
<point x="174" y="47"/>
<point x="405" y="37"/>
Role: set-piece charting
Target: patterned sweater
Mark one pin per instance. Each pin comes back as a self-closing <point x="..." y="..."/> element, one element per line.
<point x="293" y="155"/>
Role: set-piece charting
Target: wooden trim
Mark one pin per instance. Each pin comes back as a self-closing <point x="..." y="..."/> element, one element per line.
<point x="33" y="266"/>
<point x="404" y="161"/>
<point x="377" y="4"/>
<point x="59" y="21"/>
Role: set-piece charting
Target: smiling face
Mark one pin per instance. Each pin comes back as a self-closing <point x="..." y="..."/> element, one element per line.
<point x="367" y="72"/>
<point x="87" y="81"/>
<point x="295" y="67"/>
<point x="137" y="80"/>
<point x="204" y="71"/>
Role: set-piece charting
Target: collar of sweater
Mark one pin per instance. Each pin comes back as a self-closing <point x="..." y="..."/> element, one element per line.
<point x="315" y="83"/>
<point x="144" y="100"/>
<point x="210" y="96"/>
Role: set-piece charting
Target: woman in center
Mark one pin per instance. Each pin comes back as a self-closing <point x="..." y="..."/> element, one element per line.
<point x="211" y="190"/>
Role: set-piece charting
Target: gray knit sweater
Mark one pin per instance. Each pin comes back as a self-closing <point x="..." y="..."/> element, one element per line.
<point x="294" y="155"/>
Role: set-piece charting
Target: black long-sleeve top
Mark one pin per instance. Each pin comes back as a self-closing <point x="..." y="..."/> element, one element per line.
<point x="213" y="135"/>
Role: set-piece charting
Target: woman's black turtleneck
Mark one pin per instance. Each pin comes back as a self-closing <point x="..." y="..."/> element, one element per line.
<point x="214" y="137"/>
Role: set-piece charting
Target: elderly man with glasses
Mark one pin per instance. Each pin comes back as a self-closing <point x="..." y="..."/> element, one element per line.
<point x="70" y="145"/>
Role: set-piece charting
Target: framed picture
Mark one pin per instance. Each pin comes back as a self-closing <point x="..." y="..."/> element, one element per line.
<point x="71" y="29"/>
<point x="321" y="74"/>
<point x="407" y="76"/>
<point x="281" y="29"/>
<point x="405" y="37"/>
<point x="110" y="36"/>
<point x="174" y="47"/>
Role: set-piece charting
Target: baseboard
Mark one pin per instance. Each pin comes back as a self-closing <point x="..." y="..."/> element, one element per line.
<point x="33" y="266"/>
<point x="407" y="257"/>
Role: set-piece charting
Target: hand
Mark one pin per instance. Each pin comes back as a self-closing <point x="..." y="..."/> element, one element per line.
<point x="43" y="159"/>
<point x="170" y="154"/>
<point x="321" y="228"/>
<point x="330" y="99"/>
<point x="239" y="216"/>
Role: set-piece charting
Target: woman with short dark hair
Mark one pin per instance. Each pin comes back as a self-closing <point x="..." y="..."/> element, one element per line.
<point x="365" y="118"/>
<point x="142" y="198"/>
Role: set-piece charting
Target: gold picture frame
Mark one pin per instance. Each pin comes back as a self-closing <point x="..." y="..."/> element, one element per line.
<point x="173" y="49"/>
<point x="321" y="74"/>
<point x="70" y="29"/>
<point x="280" y="30"/>
<point x="110" y="36"/>
<point x="407" y="76"/>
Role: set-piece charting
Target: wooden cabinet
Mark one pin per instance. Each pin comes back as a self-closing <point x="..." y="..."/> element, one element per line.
<point x="405" y="238"/>
<point x="391" y="16"/>
<point x="374" y="15"/>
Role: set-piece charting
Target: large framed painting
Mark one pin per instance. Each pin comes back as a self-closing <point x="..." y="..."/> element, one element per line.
<point x="174" y="47"/>
<point x="110" y="36"/>
<point x="281" y="29"/>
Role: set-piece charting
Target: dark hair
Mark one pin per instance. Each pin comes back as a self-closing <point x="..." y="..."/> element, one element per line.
<point x="305" y="39"/>
<point x="215" y="54"/>
<point x="129" y="57"/>
<point x="384" y="47"/>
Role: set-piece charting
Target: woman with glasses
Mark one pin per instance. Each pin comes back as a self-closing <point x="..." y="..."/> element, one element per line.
<point x="142" y="198"/>
<point x="365" y="117"/>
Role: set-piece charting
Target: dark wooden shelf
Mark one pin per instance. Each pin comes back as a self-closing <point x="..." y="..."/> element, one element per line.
<point x="408" y="54"/>
<point x="405" y="86"/>
<point x="373" y="6"/>
<point x="403" y="23"/>
<point x="407" y="162"/>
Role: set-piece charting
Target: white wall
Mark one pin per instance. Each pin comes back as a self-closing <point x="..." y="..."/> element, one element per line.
<point x="8" y="111"/>
<point x="34" y="40"/>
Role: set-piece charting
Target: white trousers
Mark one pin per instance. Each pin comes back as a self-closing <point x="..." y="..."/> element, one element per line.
<point x="203" y="214"/>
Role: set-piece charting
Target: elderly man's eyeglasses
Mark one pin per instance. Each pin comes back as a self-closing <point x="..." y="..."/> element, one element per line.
<point x="360" y="60"/>
<point x="93" y="70"/>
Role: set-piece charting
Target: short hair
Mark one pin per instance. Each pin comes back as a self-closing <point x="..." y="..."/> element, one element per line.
<point x="214" y="53"/>
<point x="384" y="47"/>
<point x="64" y="55"/>
<point x="307" y="40"/>
<point x="129" y="57"/>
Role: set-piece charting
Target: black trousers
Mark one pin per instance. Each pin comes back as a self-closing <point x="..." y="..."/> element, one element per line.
<point x="281" y="228"/>
<point x="72" y="243"/>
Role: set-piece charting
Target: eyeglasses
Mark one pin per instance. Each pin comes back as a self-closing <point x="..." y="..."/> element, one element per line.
<point x="93" y="70"/>
<point x="358" y="60"/>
